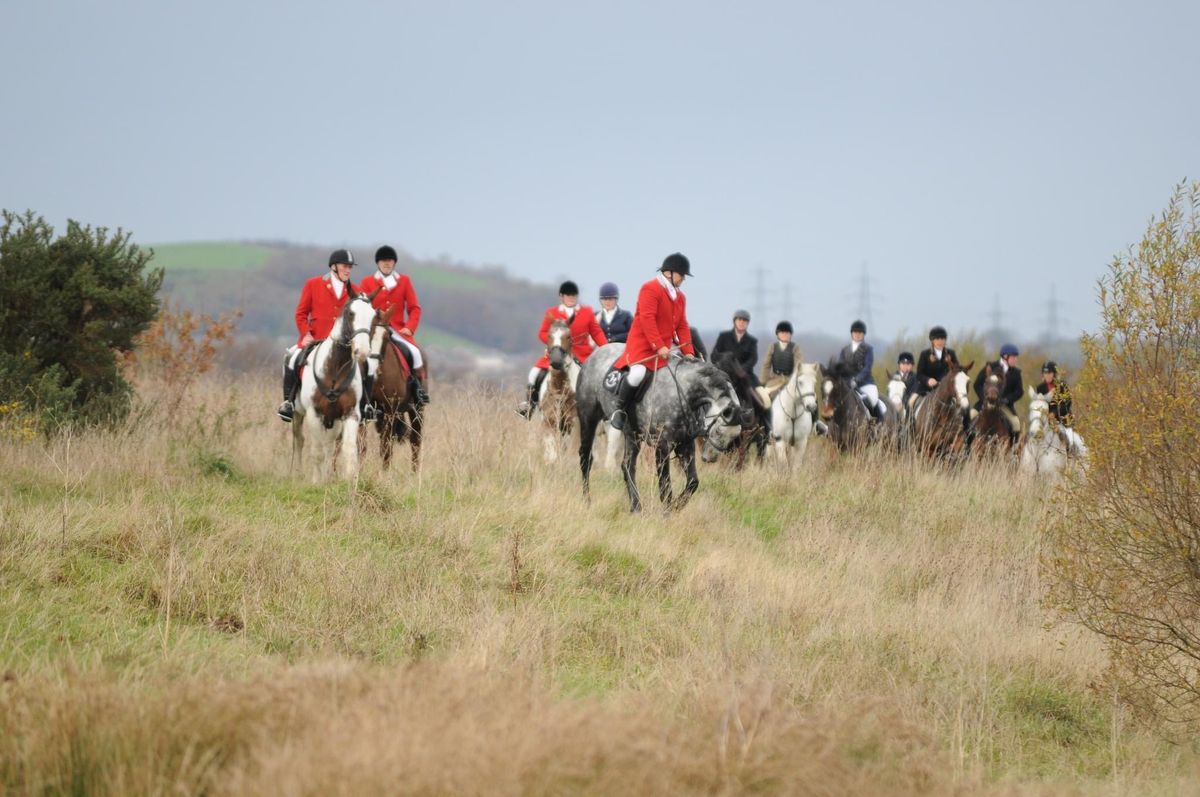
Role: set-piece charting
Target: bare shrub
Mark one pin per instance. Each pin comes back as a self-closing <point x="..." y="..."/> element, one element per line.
<point x="1125" y="549"/>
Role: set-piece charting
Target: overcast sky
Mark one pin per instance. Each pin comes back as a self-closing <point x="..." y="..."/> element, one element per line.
<point x="961" y="150"/>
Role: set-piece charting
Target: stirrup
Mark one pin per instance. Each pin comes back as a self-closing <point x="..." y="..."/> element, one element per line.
<point x="525" y="409"/>
<point x="618" y="420"/>
<point x="285" y="411"/>
<point x="821" y="428"/>
<point x="369" y="412"/>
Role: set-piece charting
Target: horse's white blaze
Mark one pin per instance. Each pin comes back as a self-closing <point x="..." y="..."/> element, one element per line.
<point x="960" y="389"/>
<point x="361" y="316"/>
<point x="895" y="391"/>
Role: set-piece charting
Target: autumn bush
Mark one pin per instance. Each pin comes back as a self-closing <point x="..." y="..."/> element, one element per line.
<point x="1124" y="549"/>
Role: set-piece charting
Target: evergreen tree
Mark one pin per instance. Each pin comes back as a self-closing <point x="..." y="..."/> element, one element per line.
<point x="70" y="308"/>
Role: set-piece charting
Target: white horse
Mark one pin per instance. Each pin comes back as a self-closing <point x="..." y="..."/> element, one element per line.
<point x="1049" y="448"/>
<point x="330" y="389"/>
<point x="792" y="413"/>
<point x="895" y="391"/>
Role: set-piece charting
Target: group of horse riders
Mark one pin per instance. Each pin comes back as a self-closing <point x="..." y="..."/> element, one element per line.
<point x="660" y="322"/>
<point x="321" y="302"/>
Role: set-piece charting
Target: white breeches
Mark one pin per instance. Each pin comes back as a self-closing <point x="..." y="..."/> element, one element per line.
<point x="293" y="354"/>
<point x="533" y="374"/>
<point x="871" y="394"/>
<point x="413" y="350"/>
<point x="636" y="374"/>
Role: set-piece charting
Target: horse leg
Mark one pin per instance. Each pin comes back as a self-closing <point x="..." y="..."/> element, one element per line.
<point x="386" y="425"/>
<point x="687" y="458"/>
<point x="629" y="470"/>
<point x="350" y="448"/>
<point x="662" y="464"/>
<point x="587" y="439"/>
<point x="615" y="442"/>
<point x="297" y="443"/>
<point x="415" y="425"/>
<point x="315" y="431"/>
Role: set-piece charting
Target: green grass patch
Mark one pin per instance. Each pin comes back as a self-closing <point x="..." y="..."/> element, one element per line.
<point x="210" y="256"/>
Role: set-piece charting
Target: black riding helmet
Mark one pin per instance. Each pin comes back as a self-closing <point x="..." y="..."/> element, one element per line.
<point x="1050" y="367"/>
<point x="783" y="326"/>
<point x="938" y="332"/>
<point x="677" y="263"/>
<point x="905" y="357"/>
<point x="858" y="326"/>
<point x="568" y="288"/>
<point x="341" y="256"/>
<point x="385" y="252"/>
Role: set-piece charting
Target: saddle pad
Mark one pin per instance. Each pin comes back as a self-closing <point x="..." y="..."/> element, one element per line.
<point x="613" y="380"/>
<point x="405" y="367"/>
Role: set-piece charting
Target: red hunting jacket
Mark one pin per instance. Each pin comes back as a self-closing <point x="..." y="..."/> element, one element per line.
<point x="658" y="321"/>
<point x="318" y="308"/>
<point x="402" y="297"/>
<point x="584" y="329"/>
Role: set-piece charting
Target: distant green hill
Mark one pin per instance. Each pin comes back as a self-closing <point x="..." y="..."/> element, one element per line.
<point x="462" y="307"/>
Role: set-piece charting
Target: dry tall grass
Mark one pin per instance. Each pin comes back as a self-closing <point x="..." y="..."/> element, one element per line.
<point x="178" y="614"/>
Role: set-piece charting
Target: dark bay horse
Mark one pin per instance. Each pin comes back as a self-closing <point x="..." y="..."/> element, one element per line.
<point x="990" y="431"/>
<point x="937" y="419"/>
<point x="843" y="410"/>
<point x="754" y="432"/>
<point x="399" y="416"/>
<point x="685" y="399"/>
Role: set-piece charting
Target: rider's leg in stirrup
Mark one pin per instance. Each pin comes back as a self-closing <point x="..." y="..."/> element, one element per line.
<point x="291" y="381"/>
<point x="418" y="374"/>
<point x="533" y="388"/>
<point x="633" y="380"/>
<point x="366" y="406"/>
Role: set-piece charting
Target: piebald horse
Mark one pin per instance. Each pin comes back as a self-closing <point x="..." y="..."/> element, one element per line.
<point x="330" y="389"/>
<point x="792" y="413"/>
<point x="991" y="431"/>
<point x="937" y="418"/>
<point x="557" y="397"/>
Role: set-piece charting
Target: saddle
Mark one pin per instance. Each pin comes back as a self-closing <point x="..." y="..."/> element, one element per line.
<point x="404" y="356"/>
<point x="614" y="378"/>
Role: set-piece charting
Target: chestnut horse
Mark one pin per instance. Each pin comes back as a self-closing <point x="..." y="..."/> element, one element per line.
<point x="398" y="415"/>
<point x="937" y="418"/>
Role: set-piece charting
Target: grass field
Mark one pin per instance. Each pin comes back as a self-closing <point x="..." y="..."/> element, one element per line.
<point x="209" y="256"/>
<point x="180" y="615"/>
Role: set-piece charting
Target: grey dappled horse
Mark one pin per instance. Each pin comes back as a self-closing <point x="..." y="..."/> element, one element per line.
<point x="686" y="399"/>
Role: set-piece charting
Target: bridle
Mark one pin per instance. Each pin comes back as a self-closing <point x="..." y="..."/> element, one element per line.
<point x="344" y="341"/>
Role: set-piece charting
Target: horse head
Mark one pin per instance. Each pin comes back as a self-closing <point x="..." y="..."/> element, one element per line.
<point x="806" y="382"/>
<point x="896" y="389"/>
<point x="713" y="394"/>
<point x="560" y="344"/>
<point x="353" y="328"/>
<point x="961" y="379"/>
<point x="379" y="331"/>
<point x="1039" y="413"/>
<point x="991" y="391"/>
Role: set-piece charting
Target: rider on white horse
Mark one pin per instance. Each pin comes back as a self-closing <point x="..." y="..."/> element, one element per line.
<point x="1058" y="396"/>
<point x="320" y="304"/>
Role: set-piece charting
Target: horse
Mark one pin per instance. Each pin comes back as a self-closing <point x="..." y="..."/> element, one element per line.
<point x="792" y="413"/>
<point x="684" y="400"/>
<point x="330" y="389"/>
<point x="557" y="397"/>
<point x="753" y="431"/>
<point x="843" y="409"/>
<point x="937" y="419"/>
<point x="399" y="415"/>
<point x="896" y="388"/>
<point x="1048" y="447"/>
<point x="990" y="430"/>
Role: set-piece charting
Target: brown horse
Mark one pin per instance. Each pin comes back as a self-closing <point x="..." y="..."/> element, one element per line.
<point x="399" y="416"/>
<point x="937" y="418"/>
<point x="991" y="433"/>
<point x="557" y="401"/>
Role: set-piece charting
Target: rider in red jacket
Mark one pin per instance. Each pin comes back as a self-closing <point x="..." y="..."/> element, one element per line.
<point x="397" y="290"/>
<point x="320" y="304"/>
<point x="659" y="321"/>
<point x="584" y="329"/>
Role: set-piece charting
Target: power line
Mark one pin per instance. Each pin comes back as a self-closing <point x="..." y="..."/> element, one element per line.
<point x="865" y="297"/>
<point x="759" y="297"/>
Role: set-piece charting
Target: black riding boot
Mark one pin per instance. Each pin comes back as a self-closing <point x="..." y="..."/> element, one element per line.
<point x="365" y="408"/>
<point x="532" y="393"/>
<point x="290" y="383"/>
<point x="422" y="394"/>
<point x="620" y="416"/>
